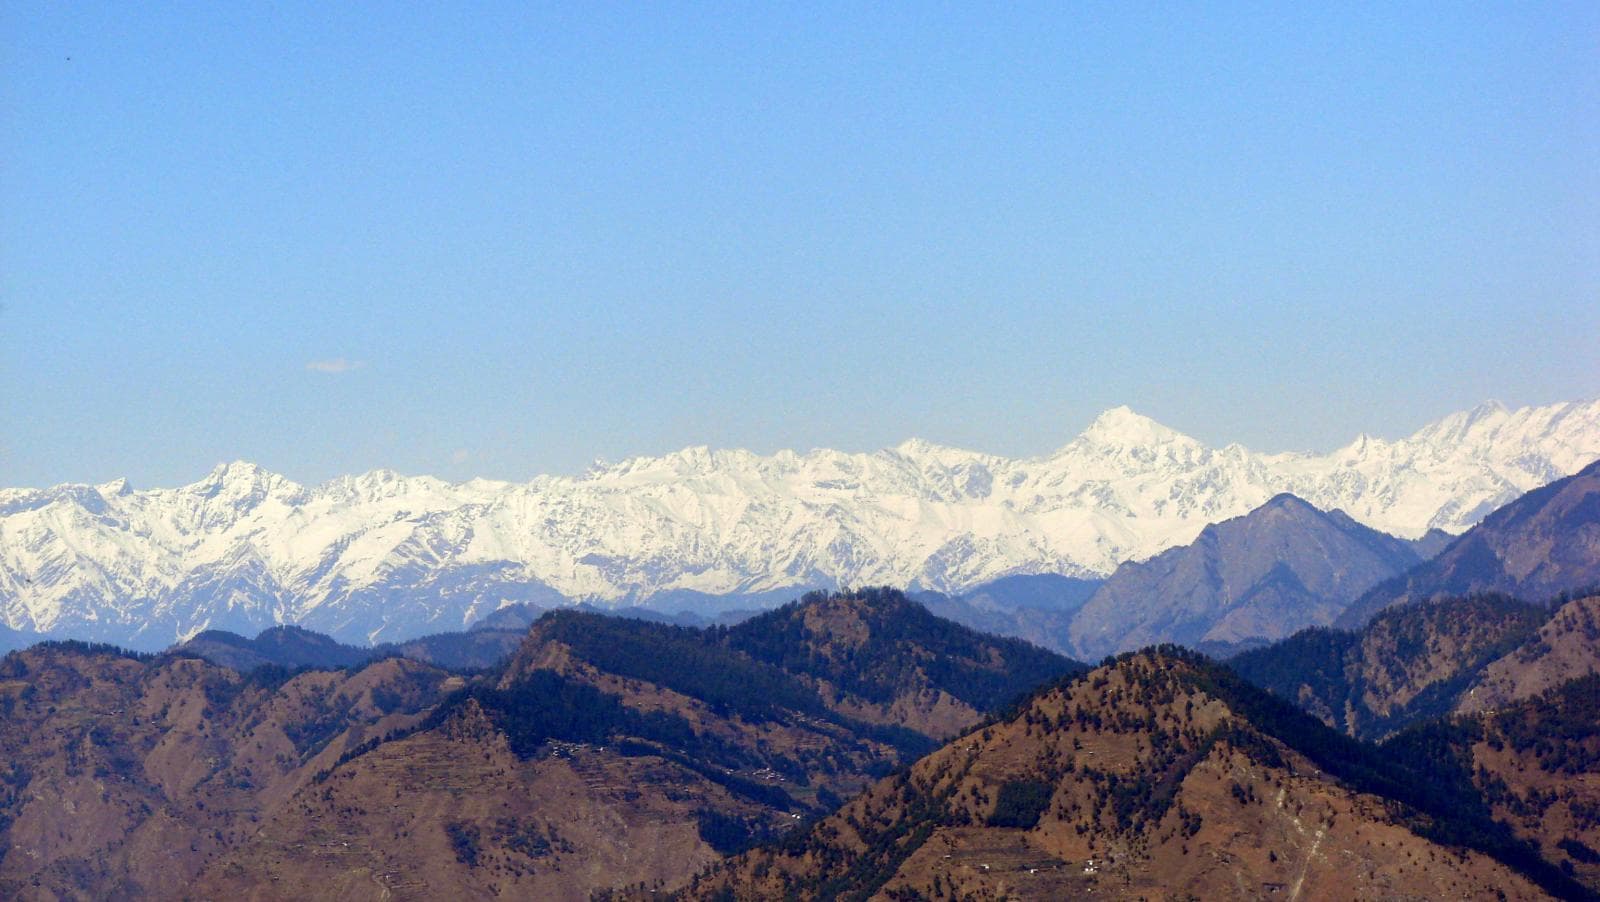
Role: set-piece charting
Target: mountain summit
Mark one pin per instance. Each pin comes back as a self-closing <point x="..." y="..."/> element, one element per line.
<point x="1120" y="426"/>
<point x="1282" y="567"/>
<point x="381" y="557"/>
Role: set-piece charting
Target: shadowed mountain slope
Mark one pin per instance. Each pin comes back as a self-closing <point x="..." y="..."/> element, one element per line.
<point x="1431" y="543"/>
<point x="1280" y="568"/>
<point x="1037" y="608"/>
<point x="282" y="646"/>
<point x="11" y="640"/>
<point x="1041" y="591"/>
<point x="293" y="647"/>
<point x="1542" y="544"/>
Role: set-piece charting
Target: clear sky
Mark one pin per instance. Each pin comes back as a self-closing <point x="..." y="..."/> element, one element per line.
<point x="506" y="239"/>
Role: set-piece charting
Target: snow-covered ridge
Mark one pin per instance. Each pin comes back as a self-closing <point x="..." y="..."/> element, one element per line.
<point x="382" y="555"/>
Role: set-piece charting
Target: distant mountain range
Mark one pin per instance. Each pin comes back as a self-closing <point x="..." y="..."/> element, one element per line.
<point x="1242" y="583"/>
<point x="1286" y="566"/>
<point x="382" y="557"/>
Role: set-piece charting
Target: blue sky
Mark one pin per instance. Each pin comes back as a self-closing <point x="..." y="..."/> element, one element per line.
<point x="509" y="239"/>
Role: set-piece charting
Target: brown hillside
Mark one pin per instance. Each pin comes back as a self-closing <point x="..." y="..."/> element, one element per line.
<point x="1565" y="648"/>
<point x="453" y="813"/>
<point x="1134" y="782"/>
<point x="1537" y="763"/>
<point x="461" y="809"/>
<point x="605" y="753"/>
<point x="125" y="779"/>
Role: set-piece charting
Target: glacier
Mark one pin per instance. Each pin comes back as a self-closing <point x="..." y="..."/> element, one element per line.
<point x="381" y="556"/>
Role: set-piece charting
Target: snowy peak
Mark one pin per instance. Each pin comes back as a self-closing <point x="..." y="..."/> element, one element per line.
<point x="379" y="556"/>
<point x="1488" y="408"/>
<point x="967" y="473"/>
<point x="1477" y="423"/>
<point x="1120" y="427"/>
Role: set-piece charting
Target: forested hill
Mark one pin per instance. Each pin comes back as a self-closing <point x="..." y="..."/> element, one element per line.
<point x="1410" y="663"/>
<point x="294" y="647"/>
<point x="881" y="656"/>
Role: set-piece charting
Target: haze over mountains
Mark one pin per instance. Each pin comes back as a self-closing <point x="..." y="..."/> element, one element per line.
<point x="383" y="557"/>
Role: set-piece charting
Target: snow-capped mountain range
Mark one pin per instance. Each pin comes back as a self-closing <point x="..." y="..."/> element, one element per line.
<point x="382" y="556"/>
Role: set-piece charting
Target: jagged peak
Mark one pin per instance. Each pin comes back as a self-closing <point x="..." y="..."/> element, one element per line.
<point x="1366" y="442"/>
<point x="379" y="482"/>
<point x="235" y="471"/>
<point x="690" y="460"/>
<point x="243" y="477"/>
<point x="696" y="454"/>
